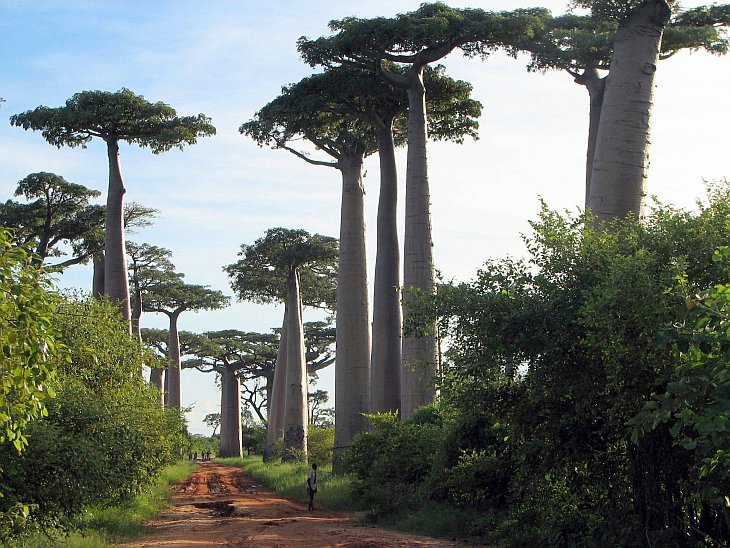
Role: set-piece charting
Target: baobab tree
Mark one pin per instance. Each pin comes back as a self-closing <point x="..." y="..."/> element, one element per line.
<point x="56" y="213"/>
<point x="361" y="94"/>
<point x="149" y="268"/>
<point x="415" y="40"/>
<point x="294" y="115"/>
<point x="273" y="269"/>
<point x="251" y="359"/>
<point x="582" y="46"/>
<point x="114" y="117"/>
<point x="172" y="299"/>
<point x="159" y="340"/>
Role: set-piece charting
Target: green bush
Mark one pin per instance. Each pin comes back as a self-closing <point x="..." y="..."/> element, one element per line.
<point x="320" y="444"/>
<point x="105" y="436"/>
<point x="391" y="463"/>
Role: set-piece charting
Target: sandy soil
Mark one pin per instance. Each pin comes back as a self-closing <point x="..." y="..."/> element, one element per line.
<point x="221" y="506"/>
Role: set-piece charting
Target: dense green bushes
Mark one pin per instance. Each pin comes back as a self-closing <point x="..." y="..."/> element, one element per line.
<point x="105" y="436"/>
<point x="586" y="392"/>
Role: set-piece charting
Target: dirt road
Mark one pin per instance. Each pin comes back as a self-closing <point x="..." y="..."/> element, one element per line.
<point x="221" y="506"/>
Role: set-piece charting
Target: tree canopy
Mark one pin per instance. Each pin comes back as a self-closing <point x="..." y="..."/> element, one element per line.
<point x="121" y="115"/>
<point x="56" y="213"/>
<point x="261" y="275"/>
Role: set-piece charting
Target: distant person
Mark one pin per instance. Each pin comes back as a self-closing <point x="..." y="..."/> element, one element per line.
<point x="312" y="485"/>
<point x="195" y="456"/>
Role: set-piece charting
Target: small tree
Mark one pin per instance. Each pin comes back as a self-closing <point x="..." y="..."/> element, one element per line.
<point x="115" y="117"/>
<point x="57" y="213"/>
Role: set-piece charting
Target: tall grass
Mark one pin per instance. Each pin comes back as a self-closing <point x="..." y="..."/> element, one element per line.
<point x="290" y="481"/>
<point x="102" y="526"/>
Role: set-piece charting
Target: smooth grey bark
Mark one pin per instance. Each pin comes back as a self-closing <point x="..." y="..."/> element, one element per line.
<point x="295" y="408"/>
<point x="116" y="282"/>
<point x="156" y="381"/>
<point x="97" y="288"/>
<point x="172" y="373"/>
<point x="621" y="160"/>
<point x="230" y="445"/>
<point x="352" y="366"/>
<point x="385" y="362"/>
<point x="420" y="355"/>
<point x="277" y="399"/>
<point x="596" y="87"/>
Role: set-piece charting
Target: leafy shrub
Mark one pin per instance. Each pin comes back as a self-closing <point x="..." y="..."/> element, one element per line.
<point x="320" y="444"/>
<point x="105" y="436"/>
<point x="391" y="463"/>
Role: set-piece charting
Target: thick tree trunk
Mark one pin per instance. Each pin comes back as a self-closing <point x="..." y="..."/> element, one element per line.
<point x="173" y="399"/>
<point x="116" y="283"/>
<point x="277" y="399"/>
<point x="621" y="161"/>
<point x="352" y="367"/>
<point x="230" y="414"/>
<point x="295" y="408"/>
<point x="385" y="360"/>
<point x="156" y="381"/>
<point x="596" y="87"/>
<point x="97" y="288"/>
<point x="420" y="355"/>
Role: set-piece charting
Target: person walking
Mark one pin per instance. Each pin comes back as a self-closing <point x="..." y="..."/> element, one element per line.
<point x="312" y="485"/>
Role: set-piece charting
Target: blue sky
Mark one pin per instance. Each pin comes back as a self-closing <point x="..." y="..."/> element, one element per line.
<point x="229" y="58"/>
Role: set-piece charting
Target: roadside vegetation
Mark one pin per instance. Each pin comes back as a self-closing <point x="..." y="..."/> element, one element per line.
<point x="99" y="527"/>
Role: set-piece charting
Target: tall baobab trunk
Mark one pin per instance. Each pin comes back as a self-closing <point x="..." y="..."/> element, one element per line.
<point x="352" y="367"/>
<point x="277" y="399"/>
<point x="596" y="87"/>
<point x="172" y="375"/>
<point x="156" y="380"/>
<point x="385" y="360"/>
<point x="116" y="283"/>
<point x="295" y="409"/>
<point x="97" y="288"/>
<point x="621" y="162"/>
<point x="230" y="414"/>
<point x="420" y="355"/>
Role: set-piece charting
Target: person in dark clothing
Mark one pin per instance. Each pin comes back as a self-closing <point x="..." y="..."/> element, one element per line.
<point x="312" y="485"/>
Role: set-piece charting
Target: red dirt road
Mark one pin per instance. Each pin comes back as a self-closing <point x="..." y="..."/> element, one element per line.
<point x="221" y="506"/>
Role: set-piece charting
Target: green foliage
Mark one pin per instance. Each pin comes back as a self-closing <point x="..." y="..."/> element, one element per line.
<point x="28" y="342"/>
<point x="696" y="403"/>
<point x="261" y="275"/>
<point x="108" y="525"/>
<point x="171" y="296"/>
<point x="57" y="212"/>
<point x="422" y="36"/>
<point x="555" y="364"/>
<point x="105" y="436"/>
<point x="582" y="43"/>
<point x="391" y="463"/>
<point x="320" y="443"/>
<point x="114" y="116"/>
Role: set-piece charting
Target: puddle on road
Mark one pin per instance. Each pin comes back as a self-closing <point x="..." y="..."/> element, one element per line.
<point x="223" y="508"/>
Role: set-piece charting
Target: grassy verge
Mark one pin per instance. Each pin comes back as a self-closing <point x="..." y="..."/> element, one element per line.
<point x="290" y="481"/>
<point x="423" y="517"/>
<point x="101" y="527"/>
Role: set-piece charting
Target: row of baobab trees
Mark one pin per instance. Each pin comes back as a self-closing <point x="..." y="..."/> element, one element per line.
<point x="379" y="90"/>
